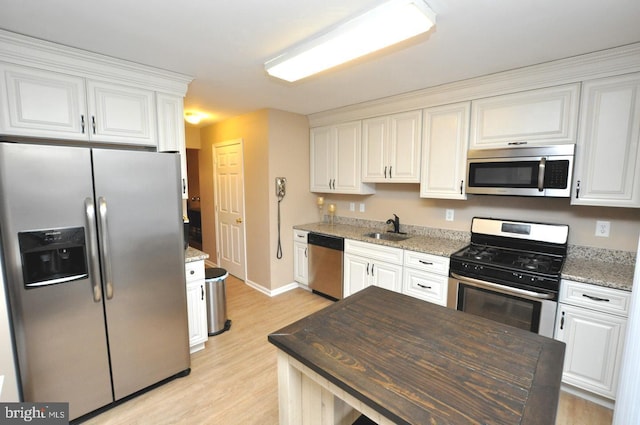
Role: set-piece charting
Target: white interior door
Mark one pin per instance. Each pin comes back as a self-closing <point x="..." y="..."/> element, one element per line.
<point x="229" y="187"/>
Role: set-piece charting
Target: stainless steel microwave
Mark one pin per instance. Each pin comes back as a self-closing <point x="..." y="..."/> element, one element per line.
<point x="521" y="171"/>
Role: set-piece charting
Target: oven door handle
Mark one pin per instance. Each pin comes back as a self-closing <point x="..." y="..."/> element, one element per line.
<point x="503" y="289"/>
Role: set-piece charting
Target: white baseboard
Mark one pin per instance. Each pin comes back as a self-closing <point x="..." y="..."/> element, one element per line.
<point x="281" y="290"/>
<point x="594" y="398"/>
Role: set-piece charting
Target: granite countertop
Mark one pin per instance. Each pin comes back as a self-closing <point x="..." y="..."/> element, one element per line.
<point x="598" y="272"/>
<point x="436" y="244"/>
<point x="192" y="254"/>
<point x="602" y="267"/>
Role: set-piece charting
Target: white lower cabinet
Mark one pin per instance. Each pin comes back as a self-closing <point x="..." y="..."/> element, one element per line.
<point x="300" y="257"/>
<point x="426" y="277"/>
<point x="368" y="264"/>
<point x="592" y="321"/>
<point x="196" y="305"/>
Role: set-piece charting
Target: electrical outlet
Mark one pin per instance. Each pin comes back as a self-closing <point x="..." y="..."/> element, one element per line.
<point x="448" y="215"/>
<point x="602" y="228"/>
<point x="352" y="206"/>
<point x="361" y="206"/>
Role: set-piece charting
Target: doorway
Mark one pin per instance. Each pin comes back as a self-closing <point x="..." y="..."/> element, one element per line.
<point x="228" y="176"/>
<point x="193" y="203"/>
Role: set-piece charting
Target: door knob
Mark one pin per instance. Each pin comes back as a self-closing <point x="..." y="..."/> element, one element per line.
<point x="239" y="220"/>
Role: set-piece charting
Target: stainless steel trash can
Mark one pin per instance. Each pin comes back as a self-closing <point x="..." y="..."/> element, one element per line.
<point x="217" y="321"/>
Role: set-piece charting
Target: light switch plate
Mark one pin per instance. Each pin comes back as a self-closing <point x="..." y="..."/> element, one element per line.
<point x="361" y="206"/>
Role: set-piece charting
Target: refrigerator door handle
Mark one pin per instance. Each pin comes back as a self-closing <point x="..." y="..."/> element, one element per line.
<point x="104" y="245"/>
<point x="94" y="264"/>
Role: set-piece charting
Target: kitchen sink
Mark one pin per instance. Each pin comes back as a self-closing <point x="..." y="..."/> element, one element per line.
<point x="388" y="236"/>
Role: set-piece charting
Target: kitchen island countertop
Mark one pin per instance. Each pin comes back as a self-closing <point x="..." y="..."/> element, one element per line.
<point x="413" y="362"/>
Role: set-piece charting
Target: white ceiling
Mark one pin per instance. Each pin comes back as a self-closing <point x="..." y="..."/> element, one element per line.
<point x="224" y="43"/>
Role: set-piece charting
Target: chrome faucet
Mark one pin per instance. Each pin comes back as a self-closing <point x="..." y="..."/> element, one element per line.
<point x="396" y="223"/>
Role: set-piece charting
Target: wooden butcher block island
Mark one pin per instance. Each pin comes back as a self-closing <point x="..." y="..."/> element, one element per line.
<point x="399" y="360"/>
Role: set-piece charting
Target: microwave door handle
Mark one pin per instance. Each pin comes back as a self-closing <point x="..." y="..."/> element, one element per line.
<point x="541" y="168"/>
<point x="94" y="264"/>
<point x="104" y="239"/>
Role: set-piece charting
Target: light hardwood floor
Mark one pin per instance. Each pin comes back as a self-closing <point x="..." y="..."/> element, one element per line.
<point x="234" y="381"/>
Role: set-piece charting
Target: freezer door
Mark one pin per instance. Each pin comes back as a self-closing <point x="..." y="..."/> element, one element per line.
<point x="140" y="212"/>
<point x="59" y="329"/>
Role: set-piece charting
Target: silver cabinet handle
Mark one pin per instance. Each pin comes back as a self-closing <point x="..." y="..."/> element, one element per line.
<point x="385" y="171"/>
<point x="82" y="122"/>
<point x="390" y="168"/>
<point x="517" y="143"/>
<point x="541" y="167"/>
<point x="424" y="286"/>
<point x="93" y="124"/>
<point x="94" y="263"/>
<point x="104" y="245"/>
<point x="428" y="263"/>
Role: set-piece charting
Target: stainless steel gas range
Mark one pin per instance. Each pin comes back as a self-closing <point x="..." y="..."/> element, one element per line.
<point x="510" y="273"/>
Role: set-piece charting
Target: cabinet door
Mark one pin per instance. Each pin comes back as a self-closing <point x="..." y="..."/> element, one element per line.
<point x="375" y="140"/>
<point x="321" y="160"/>
<point x="300" y="263"/>
<point x="607" y="169"/>
<point x="347" y="157"/>
<point x="121" y="114"/>
<point x="444" y="151"/>
<point x="404" y="149"/>
<point x="387" y="276"/>
<point x="594" y="348"/>
<point x="391" y="148"/>
<point x="544" y="116"/>
<point x="42" y="103"/>
<point x="197" y="313"/>
<point x="356" y="274"/>
<point x="171" y="131"/>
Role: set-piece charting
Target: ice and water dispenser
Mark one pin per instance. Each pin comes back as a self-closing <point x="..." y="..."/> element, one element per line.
<point x="53" y="256"/>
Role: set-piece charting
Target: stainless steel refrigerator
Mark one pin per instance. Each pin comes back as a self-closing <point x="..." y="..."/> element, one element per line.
<point x="94" y="259"/>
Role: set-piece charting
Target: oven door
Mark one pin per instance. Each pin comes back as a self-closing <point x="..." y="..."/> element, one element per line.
<point x="532" y="311"/>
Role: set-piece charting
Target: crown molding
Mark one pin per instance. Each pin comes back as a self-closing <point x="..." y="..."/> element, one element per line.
<point x="600" y="64"/>
<point x="28" y="51"/>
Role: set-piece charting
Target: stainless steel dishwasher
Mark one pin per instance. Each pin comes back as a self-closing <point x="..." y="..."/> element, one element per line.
<point x="325" y="265"/>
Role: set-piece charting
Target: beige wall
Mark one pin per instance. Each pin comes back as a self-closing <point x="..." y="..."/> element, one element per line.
<point x="276" y="144"/>
<point x="404" y="200"/>
<point x="288" y="157"/>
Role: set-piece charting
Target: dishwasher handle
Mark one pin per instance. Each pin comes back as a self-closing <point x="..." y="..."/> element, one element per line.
<point x="331" y="242"/>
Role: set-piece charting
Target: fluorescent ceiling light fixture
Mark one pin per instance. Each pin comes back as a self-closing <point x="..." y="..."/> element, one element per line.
<point x="383" y="26"/>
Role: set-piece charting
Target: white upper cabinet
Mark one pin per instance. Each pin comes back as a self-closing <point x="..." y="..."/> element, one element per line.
<point x="391" y="148"/>
<point x="444" y="151"/>
<point x="121" y="114"/>
<point x="607" y="163"/>
<point x="545" y="116"/>
<point x="171" y="131"/>
<point x="42" y="103"/>
<point x="335" y="159"/>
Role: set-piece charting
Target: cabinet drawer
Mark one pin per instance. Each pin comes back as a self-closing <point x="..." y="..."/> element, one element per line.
<point x="300" y="235"/>
<point x="194" y="270"/>
<point x="599" y="298"/>
<point x="427" y="262"/>
<point x="373" y="251"/>
<point x="425" y="286"/>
